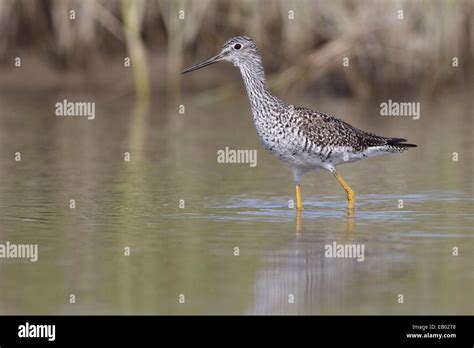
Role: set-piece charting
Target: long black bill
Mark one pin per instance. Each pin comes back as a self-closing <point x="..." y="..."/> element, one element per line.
<point x="210" y="61"/>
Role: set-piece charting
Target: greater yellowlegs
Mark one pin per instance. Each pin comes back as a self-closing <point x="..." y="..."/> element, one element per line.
<point x="305" y="139"/>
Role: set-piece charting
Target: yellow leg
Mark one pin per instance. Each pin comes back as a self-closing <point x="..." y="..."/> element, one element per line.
<point x="299" y="201"/>
<point x="298" y="222"/>
<point x="350" y="193"/>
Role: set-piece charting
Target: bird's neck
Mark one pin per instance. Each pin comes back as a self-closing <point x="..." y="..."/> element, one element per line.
<point x="256" y="86"/>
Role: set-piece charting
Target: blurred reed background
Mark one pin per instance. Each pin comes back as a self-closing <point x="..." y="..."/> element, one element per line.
<point x="386" y="54"/>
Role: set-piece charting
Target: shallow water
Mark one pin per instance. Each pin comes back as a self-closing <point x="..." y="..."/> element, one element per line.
<point x="190" y="250"/>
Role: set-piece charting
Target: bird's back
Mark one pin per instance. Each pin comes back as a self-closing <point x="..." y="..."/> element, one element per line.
<point x="325" y="130"/>
<point x="309" y="138"/>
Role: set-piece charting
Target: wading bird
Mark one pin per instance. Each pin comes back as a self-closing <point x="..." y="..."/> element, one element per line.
<point x="306" y="140"/>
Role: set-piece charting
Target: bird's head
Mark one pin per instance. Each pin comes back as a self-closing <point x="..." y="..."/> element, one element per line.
<point x="238" y="50"/>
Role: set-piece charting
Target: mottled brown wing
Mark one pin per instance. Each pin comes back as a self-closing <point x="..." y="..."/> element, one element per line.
<point x="326" y="130"/>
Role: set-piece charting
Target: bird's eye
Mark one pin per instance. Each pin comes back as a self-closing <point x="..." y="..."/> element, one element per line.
<point x="237" y="46"/>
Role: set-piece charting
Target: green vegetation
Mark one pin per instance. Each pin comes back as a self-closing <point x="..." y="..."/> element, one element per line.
<point x="303" y="41"/>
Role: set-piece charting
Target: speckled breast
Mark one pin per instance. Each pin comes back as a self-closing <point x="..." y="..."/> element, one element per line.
<point x="281" y="138"/>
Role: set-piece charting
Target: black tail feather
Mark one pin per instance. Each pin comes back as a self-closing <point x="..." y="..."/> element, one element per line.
<point x="399" y="142"/>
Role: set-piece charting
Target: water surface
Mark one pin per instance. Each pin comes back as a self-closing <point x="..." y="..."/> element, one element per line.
<point x="190" y="250"/>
